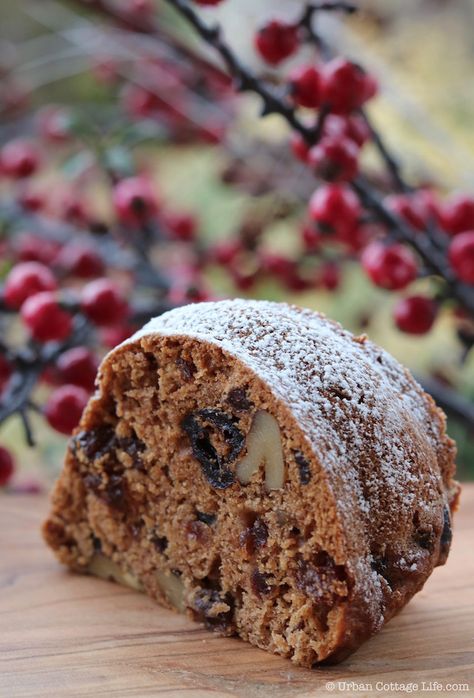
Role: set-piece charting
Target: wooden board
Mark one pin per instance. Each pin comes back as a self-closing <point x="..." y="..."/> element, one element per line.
<point x="69" y="635"/>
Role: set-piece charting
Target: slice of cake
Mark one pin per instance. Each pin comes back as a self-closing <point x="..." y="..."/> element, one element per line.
<point x="255" y="465"/>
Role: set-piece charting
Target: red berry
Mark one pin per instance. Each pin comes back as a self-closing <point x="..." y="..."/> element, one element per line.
<point x="330" y="277"/>
<point x="335" y="160"/>
<point x="25" y="280"/>
<point x="78" y="366"/>
<point x="335" y="208"/>
<point x="357" y="237"/>
<point x="311" y="238"/>
<point x="7" y="466"/>
<point x="211" y="133"/>
<point x="243" y="281"/>
<point x="116" y="334"/>
<point x="415" y="315"/>
<point x="31" y="248"/>
<point x="31" y="200"/>
<point x="352" y="127"/>
<point x="197" y="294"/>
<point x="305" y="86"/>
<point x="134" y="200"/>
<point x="5" y="372"/>
<point x="140" y="9"/>
<point x="409" y="209"/>
<point x="371" y="87"/>
<point x="19" y="158"/>
<point x="344" y="86"/>
<point x="102" y="302"/>
<point x="81" y="260"/>
<point x="181" y="226"/>
<point x="390" y="266"/>
<point x="285" y="270"/>
<point x="429" y="206"/>
<point x="72" y="208"/>
<point x="64" y="408"/>
<point x="49" y="375"/>
<point x="295" y="282"/>
<point x="226" y="251"/>
<point x="207" y="3"/>
<point x="277" y="265"/>
<point x="138" y="101"/>
<point x="461" y="256"/>
<point x="276" y="41"/>
<point x="182" y="294"/>
<point x="458" y="214"/>
<point x="54" y="124"/>
<point x="27" y="486"/>
<point x="45" y="318"/>
<point x="299" y="147"/>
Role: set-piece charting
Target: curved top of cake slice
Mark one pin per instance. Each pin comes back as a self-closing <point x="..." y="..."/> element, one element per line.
<point x="350" y="397"/>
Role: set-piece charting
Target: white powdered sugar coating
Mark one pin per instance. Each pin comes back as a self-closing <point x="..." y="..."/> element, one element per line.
<point x="333" y="383"/>
<point x="366" y="419"/>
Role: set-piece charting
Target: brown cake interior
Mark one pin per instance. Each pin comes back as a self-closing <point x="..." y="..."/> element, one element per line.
<point x="150" y="497"/>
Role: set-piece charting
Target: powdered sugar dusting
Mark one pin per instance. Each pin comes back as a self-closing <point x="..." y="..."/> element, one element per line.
<point x="333" y="383"/>
<point x="367" y="420"/>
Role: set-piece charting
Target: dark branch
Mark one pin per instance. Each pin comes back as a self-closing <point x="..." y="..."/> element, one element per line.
<point x="245" y="81"/>
<point x="273" y="103"/>
<point x="388" y="158"/>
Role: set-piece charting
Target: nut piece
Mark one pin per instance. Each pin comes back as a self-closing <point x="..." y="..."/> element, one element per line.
<point x="263" y="445"/>
<point x="105" y="568"/>
<point x="173" y="588"/>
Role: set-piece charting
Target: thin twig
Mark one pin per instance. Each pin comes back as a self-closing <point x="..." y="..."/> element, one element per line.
<point x="25" y="419"/>
<point x="388" y="158"/>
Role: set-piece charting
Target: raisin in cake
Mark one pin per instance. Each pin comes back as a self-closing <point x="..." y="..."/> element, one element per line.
<point x="257" y="466"/>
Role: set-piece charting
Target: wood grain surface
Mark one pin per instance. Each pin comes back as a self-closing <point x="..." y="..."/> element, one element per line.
<point x="69" y="635"/>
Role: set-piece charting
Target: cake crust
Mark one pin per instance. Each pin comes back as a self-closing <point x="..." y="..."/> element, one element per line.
<point x="307" y="558"/>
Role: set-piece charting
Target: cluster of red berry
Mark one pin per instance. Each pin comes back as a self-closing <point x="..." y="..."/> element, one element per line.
<point x="74" y="299"/>
<point x="338" y="89"/>
<point x="338" y="216"/>
<point x="59" y="287"/>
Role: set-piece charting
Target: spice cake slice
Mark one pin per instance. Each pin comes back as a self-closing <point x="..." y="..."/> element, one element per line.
<point x="255" y="465"/>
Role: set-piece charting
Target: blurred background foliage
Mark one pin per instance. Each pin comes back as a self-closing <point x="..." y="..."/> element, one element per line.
<point x="423" y="54"/>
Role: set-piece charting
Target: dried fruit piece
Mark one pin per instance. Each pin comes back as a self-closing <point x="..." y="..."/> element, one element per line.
<point x="94" y="443"/>
<point x="209" y="425"/>
<point x="319" y="578"/>
<point x="102" y="441"/>
<point x="263" y="446"/>
<point x="198" y="532"/>
<point x="238" y="399"/>
<point x="303" y="468"/>
<point x="255" y="534"/>
<point x="115" y="493"/>
<point x="187" y="368"/>
<point x="160" y="542"/>
<point x="208" y="519"/>
<point x="214" y="608"/>
<point x="259" y="581"/>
